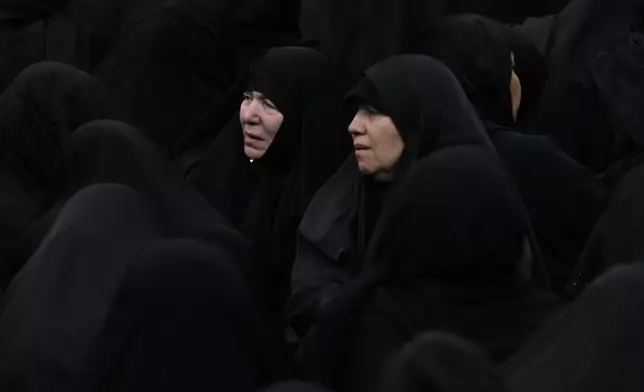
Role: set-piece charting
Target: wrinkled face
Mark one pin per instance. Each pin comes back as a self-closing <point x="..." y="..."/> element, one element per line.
<point x="260" y="120"/>
<point x="377" y="143"/>
<point x="515" y="91"/>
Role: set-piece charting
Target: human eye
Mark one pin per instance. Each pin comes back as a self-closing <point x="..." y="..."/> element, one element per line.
<point x="248" y="96"/>
<point x="270" y="105"/>
<point x="370" y="110"/>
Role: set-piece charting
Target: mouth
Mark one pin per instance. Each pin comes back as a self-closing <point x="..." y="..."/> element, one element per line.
<point x="252" y="137"/>
<point x="360" y="147"/>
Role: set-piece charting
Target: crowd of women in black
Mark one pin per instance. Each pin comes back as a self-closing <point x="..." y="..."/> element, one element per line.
<point x="221" y="206"/>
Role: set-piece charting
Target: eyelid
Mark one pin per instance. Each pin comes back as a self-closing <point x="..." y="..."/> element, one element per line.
<point x="370" y="109"/>
<point x="270" y="104"/>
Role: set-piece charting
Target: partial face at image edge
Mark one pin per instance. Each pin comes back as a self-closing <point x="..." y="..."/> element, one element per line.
<point x="515" y="90"/>
<point x="260" y="121"/>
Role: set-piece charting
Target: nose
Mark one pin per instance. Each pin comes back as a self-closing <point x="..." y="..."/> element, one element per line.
<point x="250" y="112"/>
<point x="357" y="126"/>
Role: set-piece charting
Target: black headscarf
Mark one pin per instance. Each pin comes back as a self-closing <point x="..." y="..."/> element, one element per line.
<point x="425" y="102"/>
<point x="295" y="387"/>
<point x="179" y="65"/>
<point x="359" y="33"/>
<point x="310" y="142"/>
<point x="432" y="113"/>
<point x="564" y="199"/>
<point x="452" y="254"/>
<point x="531" y="67"/>
<point x="620" y="82"/>
<point x="506" y="11"/>
<point x="583" y="126"/>
<point x="266" y="199"/>
<point x="26" y="10"/>
<point x="595" y="345"/>
<point x="456" y="207"/>
<point x="478" y="52"/>
<point x="183" y="319"/>
<point x="416" y="92"/>
<point x="441" y="362"/>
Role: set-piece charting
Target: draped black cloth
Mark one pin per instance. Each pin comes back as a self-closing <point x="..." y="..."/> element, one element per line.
<point x="266" y="199"/>
<point x="442" y="362"/>
<point x="531" y="66"/>
<point x="114" y="19"/>
<point x="417" y="92"/>
<point x="181" y="63"/>
<point x="359" y="33"/>
<point x="37" y="30"/>
<point x="564" y="199"/>
<point x="452" y="254"/>
<point x="183" y="319"/>
<point x="39" y="112"/>
<point x="594" y="345"/>
<point x="25" y="10"/>
<point x="506" y="11"/>
<point x="615" y="239"/>
<point x="55" y="307"/>
<point x="575" y="109"/>
<point x="107" y="151"/>
<point x="296" y="387"/>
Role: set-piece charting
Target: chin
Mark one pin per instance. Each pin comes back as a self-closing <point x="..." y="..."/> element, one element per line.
<point x="253" y="154"/>
<point x="365" y="170"/>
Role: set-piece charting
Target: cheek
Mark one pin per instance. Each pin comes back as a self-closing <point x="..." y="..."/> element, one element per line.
<point x="389" y="145"/>
<point x="515" y="90"/>
<point x="272" y="124"/>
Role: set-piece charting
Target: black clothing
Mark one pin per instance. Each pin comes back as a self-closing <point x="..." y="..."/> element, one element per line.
<point x="506" y="11"/>
<point x="32" y="31"/>
<point x="442" y="362"/>
<point x="615" y="239"/>
<point x="295" y="387"/>
<point x="56" y="305"/>
<point x="577" y="109"/>
<point x="595" y="345"/>
<point x="183" y="319"/>
<point x="564" y="199"/>
<point x="359" y="33"/>
<point x="450" y="253"/>
<point x="58" y="285"/>
<point x="181" y="64"/>
<point x="531" y="66"/>
<point x="267" y="198"/>
<point x="108" y="151"/>
<point x="417" y="91"/>
<point x="39" y="112"/>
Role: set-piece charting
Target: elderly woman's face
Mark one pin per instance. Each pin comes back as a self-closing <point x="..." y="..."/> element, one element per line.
<point x="260" y="120"/>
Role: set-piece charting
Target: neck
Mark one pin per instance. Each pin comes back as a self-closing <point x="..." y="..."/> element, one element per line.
<point x="383" y="176"/>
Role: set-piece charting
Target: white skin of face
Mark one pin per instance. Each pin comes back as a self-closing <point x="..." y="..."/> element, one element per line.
<point x="378" y="145"/>
<point x="260" y="120"/>
<point x="515" y="91"/>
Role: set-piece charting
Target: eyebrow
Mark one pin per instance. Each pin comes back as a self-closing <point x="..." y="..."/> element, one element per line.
<point x="257" y="95"/>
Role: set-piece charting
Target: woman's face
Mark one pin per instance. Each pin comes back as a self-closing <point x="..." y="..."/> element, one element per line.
<point x="378" y="145"/>
<point x="260" y="120"/>
<point x="515" y="91"/>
